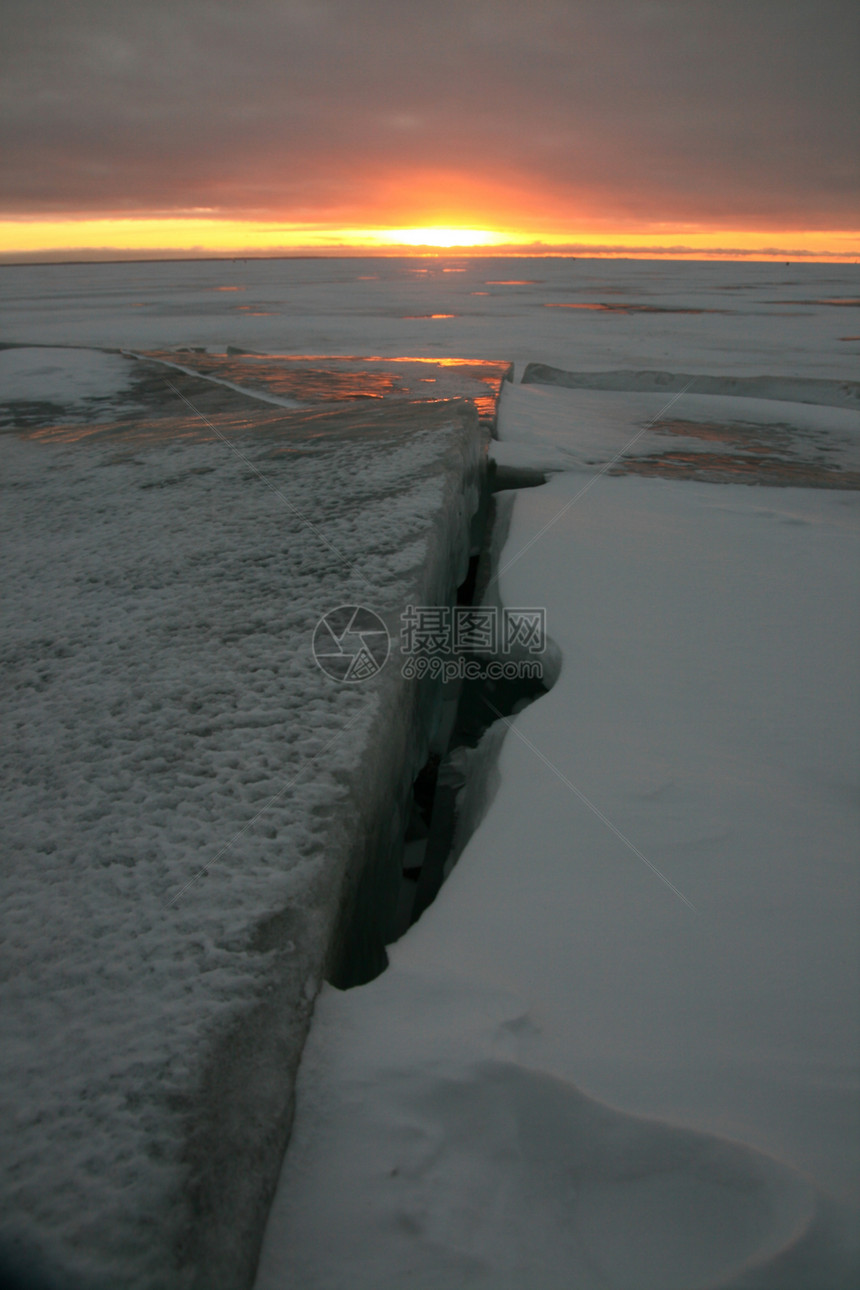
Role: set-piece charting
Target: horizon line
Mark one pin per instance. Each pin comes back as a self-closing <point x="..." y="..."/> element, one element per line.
<point x="80" y="256"/>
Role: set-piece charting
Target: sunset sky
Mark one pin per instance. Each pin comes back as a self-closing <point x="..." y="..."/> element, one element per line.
<point x="726" y="127"/>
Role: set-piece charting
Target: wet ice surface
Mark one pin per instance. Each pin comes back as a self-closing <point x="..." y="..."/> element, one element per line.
<point x="43" y="388"/>
<point x="559" y="1076"/>
<point x="309" y="379"/>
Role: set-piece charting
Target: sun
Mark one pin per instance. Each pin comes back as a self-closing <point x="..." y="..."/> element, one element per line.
<point x="442" y="236"/>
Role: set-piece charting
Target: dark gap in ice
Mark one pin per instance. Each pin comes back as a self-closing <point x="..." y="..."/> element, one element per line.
<point x="415" y="842"/>
<point x="503" y="478"/>
<point x="481" y="703"/>
<point x="430" y="833"/>
<point x="466" y="589"/>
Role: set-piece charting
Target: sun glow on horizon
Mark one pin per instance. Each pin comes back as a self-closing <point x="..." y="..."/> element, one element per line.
<point x="444" y="236"/>
<point x="197" y="235"/>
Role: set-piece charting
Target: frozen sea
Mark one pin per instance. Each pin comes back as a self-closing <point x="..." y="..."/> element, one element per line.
<point x="621" y="1047"/>
<point x="739" y="319"/>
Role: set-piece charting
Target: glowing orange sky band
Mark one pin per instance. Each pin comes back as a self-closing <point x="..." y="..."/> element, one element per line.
<point x="196" y="235"/>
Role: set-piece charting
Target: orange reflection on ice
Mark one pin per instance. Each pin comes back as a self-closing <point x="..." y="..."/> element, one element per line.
<point x="391" y="358"/>
<point x="728" y="468"/>
<point x="308" y="381"/>
<point x="154" y="429"/>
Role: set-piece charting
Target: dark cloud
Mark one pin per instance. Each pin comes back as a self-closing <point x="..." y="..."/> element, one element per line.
<point x="348" y="109"/>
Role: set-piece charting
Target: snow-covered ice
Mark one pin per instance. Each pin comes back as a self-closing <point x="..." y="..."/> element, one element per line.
<point x="752" y="319"/>
<point x="39" y="383"/>
<point x="185" y="796"/>
<point x="621" y="1048"/>
<point x="567" y="1074"/>
<point x="569" y="429"/>
<point x="66" y="375"/>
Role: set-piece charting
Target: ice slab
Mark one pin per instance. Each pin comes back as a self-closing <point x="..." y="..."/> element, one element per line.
<point x="190" y="804"/>
<point x="797" y="389"/>
<point x="622" y="1046"/>
<point x="720" y="437"/>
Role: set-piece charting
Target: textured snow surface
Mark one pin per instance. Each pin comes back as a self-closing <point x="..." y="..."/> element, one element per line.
<point x="183" y="789"/>
<point x="621" y="1049"/>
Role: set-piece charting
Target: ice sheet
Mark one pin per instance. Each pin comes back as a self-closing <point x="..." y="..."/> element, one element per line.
<point x="770" y="318"/>
<point x="498" y="1072"/>
<point x="655" y="918"/>
<point x="186" y="801"/>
